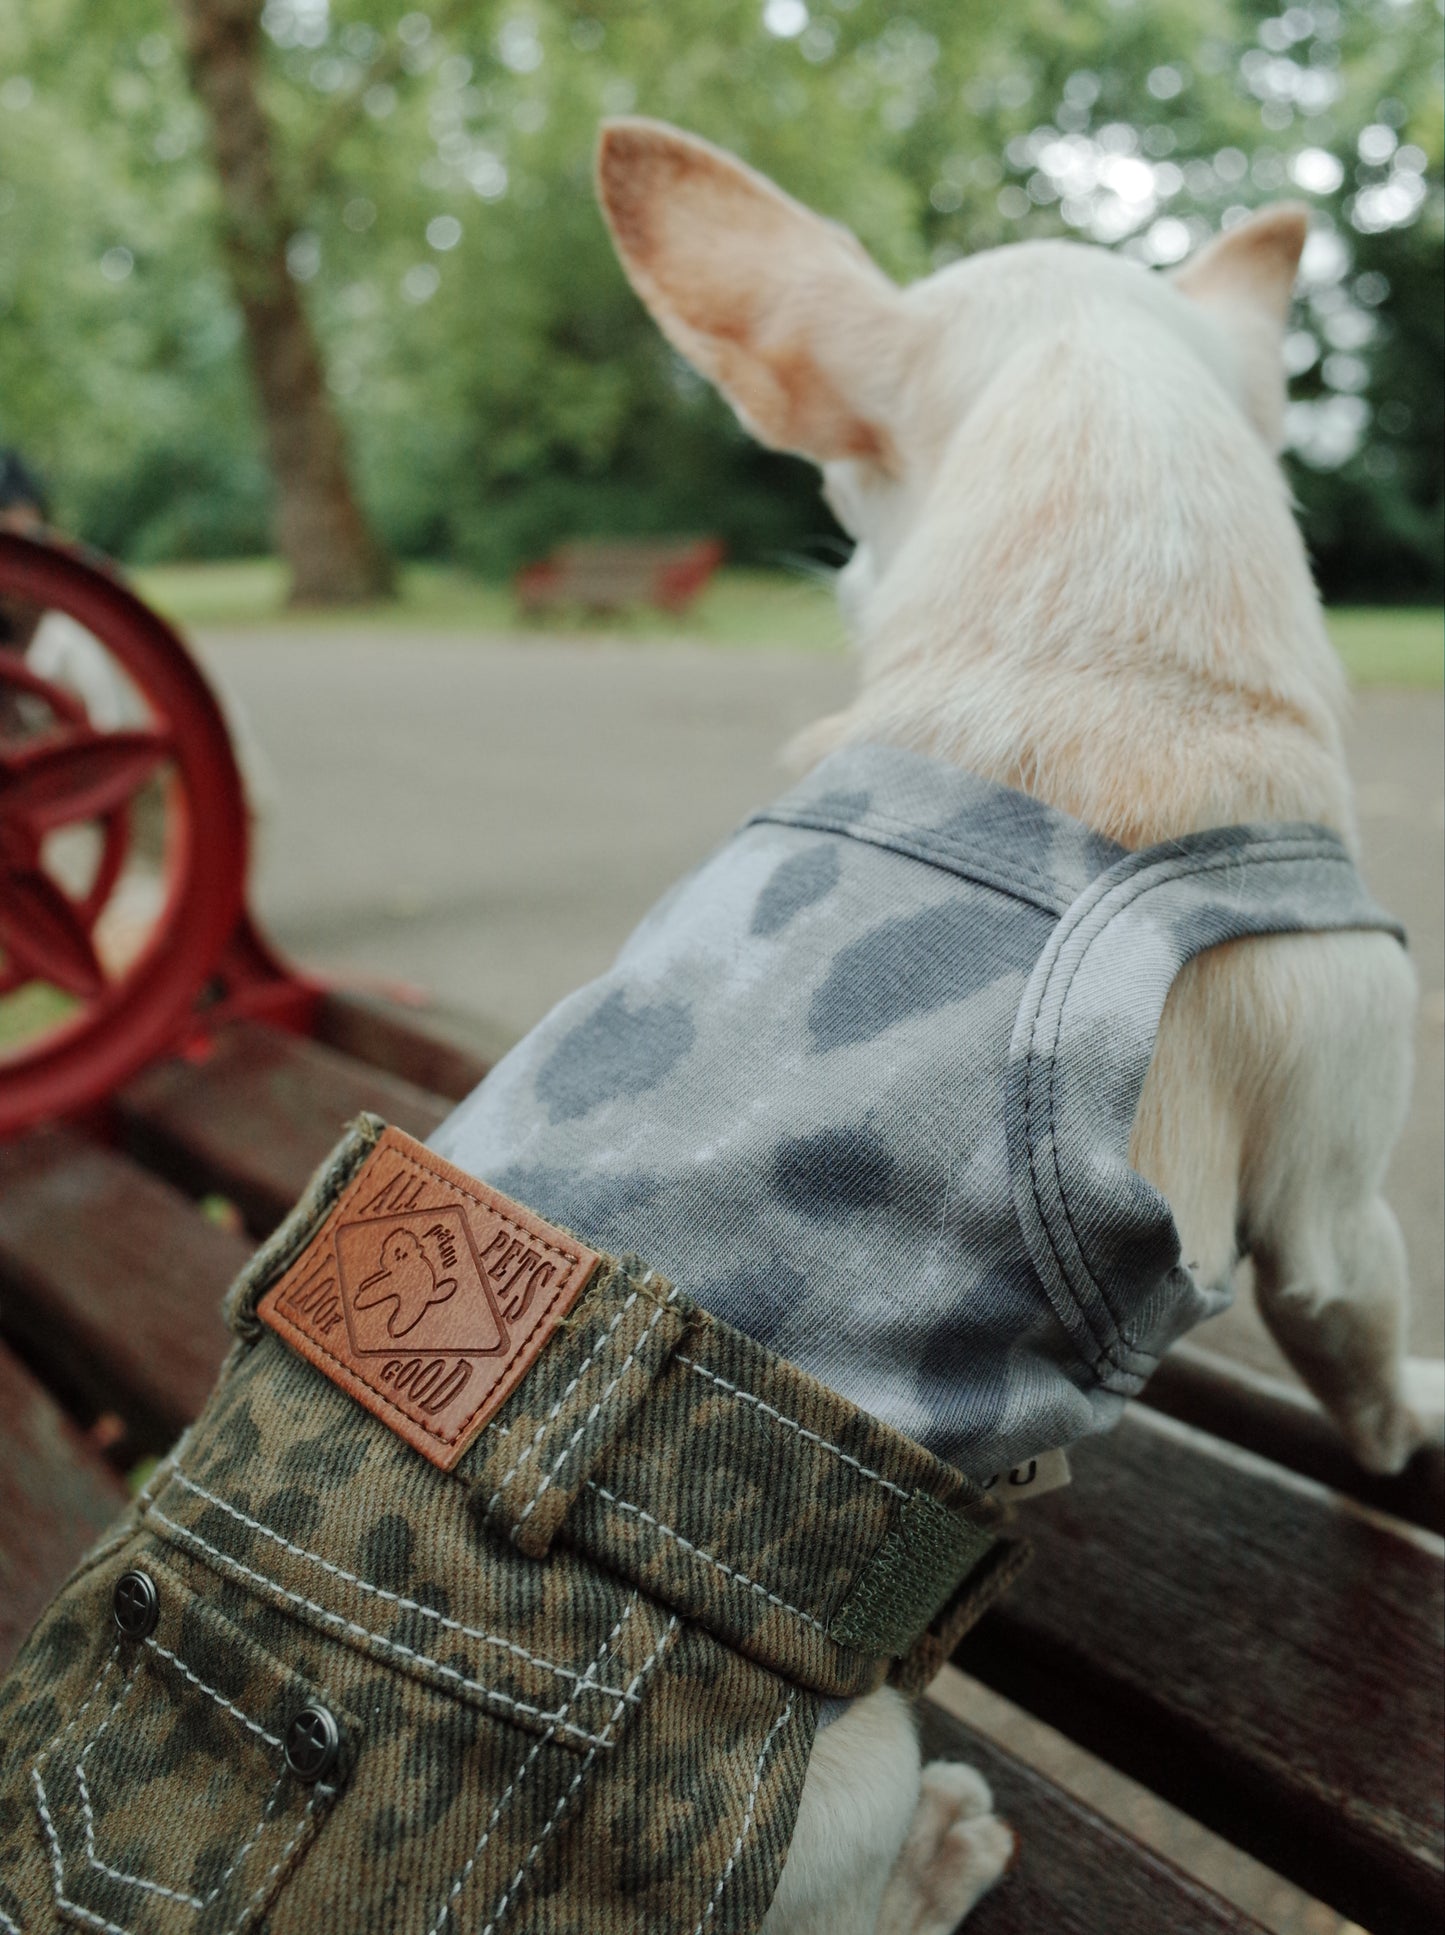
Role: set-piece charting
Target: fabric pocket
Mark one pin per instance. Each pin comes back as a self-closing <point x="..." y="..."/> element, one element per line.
<point x="167" y="1803"/>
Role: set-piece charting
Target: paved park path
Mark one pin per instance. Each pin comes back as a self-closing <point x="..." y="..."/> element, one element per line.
<point x="488" y="818"/>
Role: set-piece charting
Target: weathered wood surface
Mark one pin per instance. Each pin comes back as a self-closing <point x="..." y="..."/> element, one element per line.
<point x="1262" y="1654"/>
<point x="1282" y="1423"/>
<point x="1075" y="1873"/>
<point x="56" y="1498"/>
<point x="110" y="1282"/>
<point x="253" y="1115"/>
<point x="401" y="1041"/>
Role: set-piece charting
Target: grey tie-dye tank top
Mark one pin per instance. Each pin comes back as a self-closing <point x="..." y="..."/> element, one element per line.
<point x="862" y="1085"/>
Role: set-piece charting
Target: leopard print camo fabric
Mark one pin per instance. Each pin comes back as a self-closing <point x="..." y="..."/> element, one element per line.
<point x="575" y="1680"/>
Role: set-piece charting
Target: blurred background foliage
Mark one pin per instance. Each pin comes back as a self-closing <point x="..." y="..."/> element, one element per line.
<point x="500" y="386"/>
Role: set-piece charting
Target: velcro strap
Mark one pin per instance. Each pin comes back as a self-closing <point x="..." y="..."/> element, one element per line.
<point x="918" y="1567"/>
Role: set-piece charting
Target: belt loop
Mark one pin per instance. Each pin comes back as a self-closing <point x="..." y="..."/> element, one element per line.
<point x="527" y="1467"/>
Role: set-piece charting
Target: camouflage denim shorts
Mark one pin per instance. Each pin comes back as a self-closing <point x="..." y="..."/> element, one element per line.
<point x="578" y="1707"/>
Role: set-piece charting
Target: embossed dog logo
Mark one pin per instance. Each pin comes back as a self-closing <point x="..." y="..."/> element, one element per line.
<point x="408" y="1277"/>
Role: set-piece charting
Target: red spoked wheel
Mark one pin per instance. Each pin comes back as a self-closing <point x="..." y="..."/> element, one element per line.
<point x="123" y="842"/>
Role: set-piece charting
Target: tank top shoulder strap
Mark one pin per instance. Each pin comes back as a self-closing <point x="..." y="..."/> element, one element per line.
<point x="1102" y="1239"/>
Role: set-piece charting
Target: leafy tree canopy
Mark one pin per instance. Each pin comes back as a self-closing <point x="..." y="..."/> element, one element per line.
<point x="502" y="387"/>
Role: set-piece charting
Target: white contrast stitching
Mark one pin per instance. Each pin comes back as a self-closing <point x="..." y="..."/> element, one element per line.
<point x="582" y="1371"/>
<point x="225" y="1560"/>
<point x="10" y="1928"/>
<point x="777" y="1727"/>
<point x="138" y="1504"/>
<point x="219" y="1698"/>
<point x="88" y="1813"/>
<point x="739" y="1578"/>
<point x="394" y="1598"/>
<point x="524" y="1768"/>
<point x="317" y="1793"/>
<point x="57" y="1862"/>
<point x="567" y="1449"/>
<point x="812" y="1437"/>
<point x="246" y="1846"/>
<point x="131" y="1881"/>
<point x="76" y="1718"/>
<point x="577" y="1779"/>
<point x="155" y="1887"/>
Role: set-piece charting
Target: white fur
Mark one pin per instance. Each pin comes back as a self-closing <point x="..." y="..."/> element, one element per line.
<point x="1077" y="572"/>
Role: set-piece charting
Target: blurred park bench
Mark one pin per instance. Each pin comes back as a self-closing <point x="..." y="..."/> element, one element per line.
<point x="604" y="577"/>
<point x="1220" y="1605"/>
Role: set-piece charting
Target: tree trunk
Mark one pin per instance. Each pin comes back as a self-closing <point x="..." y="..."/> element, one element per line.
<point x="320" y="529"/>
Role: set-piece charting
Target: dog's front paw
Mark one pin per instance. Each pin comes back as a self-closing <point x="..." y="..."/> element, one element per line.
<point x="1386" y="1437"/>
<point x="957" y="1848"/>
<point x="1424" y="1383"/>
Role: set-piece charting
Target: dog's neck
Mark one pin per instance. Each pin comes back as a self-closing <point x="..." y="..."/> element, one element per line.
<point x="1105" y="601"/>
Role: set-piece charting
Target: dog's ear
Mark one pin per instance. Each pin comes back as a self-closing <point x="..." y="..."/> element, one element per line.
<point x="1246" y="277"/>
<point x="785" y="312"/>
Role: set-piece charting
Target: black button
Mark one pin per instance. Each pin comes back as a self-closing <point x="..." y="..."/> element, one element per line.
<point x="136" y="1604"/>
<point x="313" y="1740"/>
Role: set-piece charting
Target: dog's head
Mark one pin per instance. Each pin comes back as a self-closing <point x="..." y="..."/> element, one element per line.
<point x="898" y="393"/>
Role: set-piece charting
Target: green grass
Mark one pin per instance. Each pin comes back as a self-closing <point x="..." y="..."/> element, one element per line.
<point x="1387" y="645"/>
<point x="30" y="1011"/>
<point x="1390" y="644"/>
<point x="738" y="608"/>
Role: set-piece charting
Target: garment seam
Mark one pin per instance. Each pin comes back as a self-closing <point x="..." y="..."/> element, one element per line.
<point x="219" y="1698"/>
<point x="381" y="1592"/>
<point x="308" y="1814"/>
<point x="524" y="1767"/>
<point x="93" y="1859"/>
<point x="577" y="1378"/>
<point x="825" y="1444"/>
<point x="777" y="1727"/>
<point x="513" y="1886"/>
<point x="738" y="1578"/>
<point x="1033" y="889"/>
<point x="592" y="1415"/>
<point x="1110" y="1354"/>
<point x="88" y="1814"/>
<point x="236" y="1567"/>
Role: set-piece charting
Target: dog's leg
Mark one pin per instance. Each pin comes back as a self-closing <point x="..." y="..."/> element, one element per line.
<point x="1332" y="1289"/>
<point x="1329" y="1258"/>
<point x="1282" y="1073"/>
<point x="879" y="1849"/>
<point x="957" y="1848"/>
<point x="857" y="1803"/>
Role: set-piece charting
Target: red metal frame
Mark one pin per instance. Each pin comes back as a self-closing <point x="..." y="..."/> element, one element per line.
<point x="204" y="960"/>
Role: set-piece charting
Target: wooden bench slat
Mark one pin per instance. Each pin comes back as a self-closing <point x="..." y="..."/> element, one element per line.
<point x="1283" y="1424"/>
<point x="389" y="1037"/>
<point x="1260" y="1653"/>
<point x="1076" y="1873"/>
<point x="111" y="1281"/>
<point x="253" y="1118"/>
<point x="56" y="1497"/>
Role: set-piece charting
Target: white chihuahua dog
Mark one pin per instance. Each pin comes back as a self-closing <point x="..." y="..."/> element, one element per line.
<point x="996" y="438"/>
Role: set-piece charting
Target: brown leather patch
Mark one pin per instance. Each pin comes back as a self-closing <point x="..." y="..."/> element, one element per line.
<point x="426" y="1295"/>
